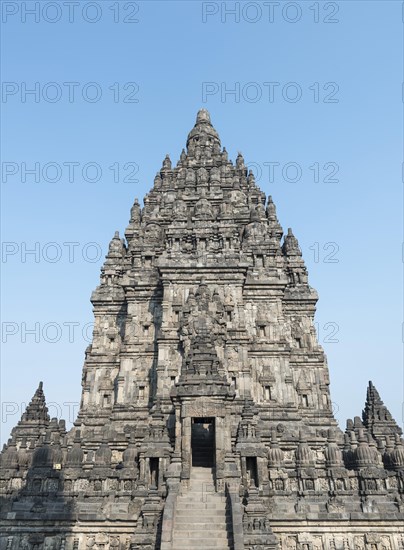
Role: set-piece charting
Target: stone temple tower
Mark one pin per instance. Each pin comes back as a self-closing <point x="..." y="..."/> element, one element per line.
<point x="205" y="418"/>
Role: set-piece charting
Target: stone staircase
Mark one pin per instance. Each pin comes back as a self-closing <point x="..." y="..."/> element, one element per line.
<point x="201" y="518"/>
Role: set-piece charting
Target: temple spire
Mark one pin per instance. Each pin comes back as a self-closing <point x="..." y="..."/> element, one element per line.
<point x="37" y="410"/>
<point x="35" y="420"/>
<point x="376" y="416"/>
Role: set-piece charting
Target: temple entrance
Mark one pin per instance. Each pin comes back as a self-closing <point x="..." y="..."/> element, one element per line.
<point x="203" y="442"/>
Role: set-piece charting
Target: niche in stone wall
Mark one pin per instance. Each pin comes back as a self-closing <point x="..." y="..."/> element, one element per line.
<point x="107" y="399"/>
<point x="141" y="392"/>
<point x="267" y="393"/>
<point x="154" y="472"/>
<point x="252" y="471"/>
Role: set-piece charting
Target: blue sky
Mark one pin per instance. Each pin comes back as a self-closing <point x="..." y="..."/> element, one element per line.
<point x="113" y="96"/>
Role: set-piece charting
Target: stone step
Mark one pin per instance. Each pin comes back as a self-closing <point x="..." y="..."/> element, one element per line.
<point x="200" y="530"/>
<point x="202" y="542"/>
<point x="205" y="489"/>
<point x="199" y="497"/>
<point x="202" y="492"/>
<point x="199" y="537"/>
<point x="202" y="534"/>
<point x="201" y="520"/>
<point x="184" y="544"/>
<point x="199" y="485"/>
<point x="203" y="506"/>
<point x="202" y="479"/>
<point x="198" y="481"/>
<point x="199" y="515"/>
<point x="213" y="521"/>
<point x="211" y="493"/>
<point x="194" y="509"/>
<point x="202" y="475"/>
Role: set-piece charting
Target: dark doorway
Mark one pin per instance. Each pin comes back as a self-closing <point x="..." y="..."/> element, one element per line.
<point x="203" y="442"/>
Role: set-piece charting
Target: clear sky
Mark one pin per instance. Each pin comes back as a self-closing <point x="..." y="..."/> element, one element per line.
<point x="309" y="92"/>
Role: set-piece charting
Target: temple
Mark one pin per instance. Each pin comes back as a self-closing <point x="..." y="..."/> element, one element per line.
<point x="205" y="419"/>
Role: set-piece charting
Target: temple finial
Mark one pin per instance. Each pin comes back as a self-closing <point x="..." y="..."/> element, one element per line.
<point x="203" y="116"/>
<point x="203" y="141"/>
<point x="167" y="162"/>
<point x="291" y="245"/>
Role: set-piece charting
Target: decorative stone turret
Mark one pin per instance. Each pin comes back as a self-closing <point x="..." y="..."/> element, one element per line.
<point x="397" y="456"/>
<point x="35" y="420"/>
<point x="376" y="416"/>
<point x="304" y="456"/>
<point x="75" y="455"/>
<point x="103" y="454"/>
<point x="275" y="453"/>
<point x="363" y="453"/>
<point x="129" y="456"/>
<point x="333" y="452"/>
